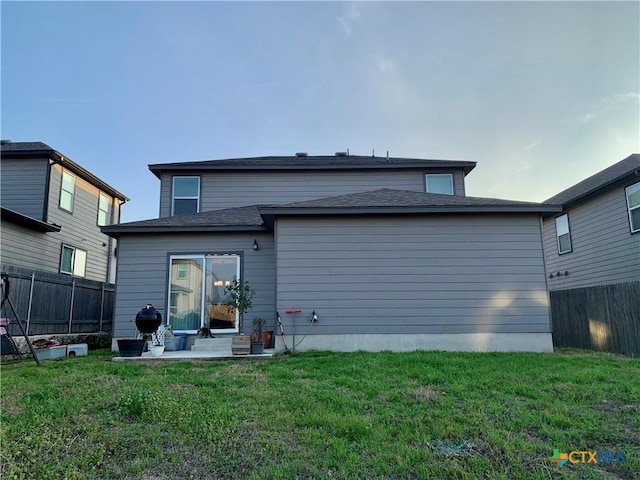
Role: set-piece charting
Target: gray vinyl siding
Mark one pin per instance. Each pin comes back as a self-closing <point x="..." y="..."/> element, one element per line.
<point x="23" y="184"/>
<point x="603" y="249"/>
<point x="410" y="275"/>
<point x="236" y="189"/>
<point x="143" y="269"/>
<point x="80" y="228"/>
<point x="27" y="248"/>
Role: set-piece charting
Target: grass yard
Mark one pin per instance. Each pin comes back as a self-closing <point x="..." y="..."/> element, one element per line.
<point x="321" y="415"/>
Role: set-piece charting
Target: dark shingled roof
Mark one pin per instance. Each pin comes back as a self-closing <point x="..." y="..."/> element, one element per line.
<point x="27" y="221"/>
<point x="599" y="181"/>
<point x="252" y="218"/>
<point x="402" y="200"/>
<point x="228" y="219"/>
<point x="351" y="162"/>
<point x="16" y="150"/>
<point x="25" y="147"/>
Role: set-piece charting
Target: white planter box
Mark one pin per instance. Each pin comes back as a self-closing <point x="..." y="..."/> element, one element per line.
<point x="51" y="353"/>
<point x="77" y="350"/>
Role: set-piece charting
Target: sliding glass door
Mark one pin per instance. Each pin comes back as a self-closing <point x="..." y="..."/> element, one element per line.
<point x="197" y="295"/>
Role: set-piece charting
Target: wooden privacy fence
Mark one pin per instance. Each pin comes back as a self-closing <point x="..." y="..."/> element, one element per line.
<point x="605" y="318"/>
<point x="49" y="303"/>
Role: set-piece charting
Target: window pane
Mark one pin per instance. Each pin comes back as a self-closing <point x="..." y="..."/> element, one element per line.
<point x="102" y="218"/>
<point x="68" y="182"/>
<point x="184" y="206"/>
<point x="633" y="195"/>
<point x="79" y="263"/>
<point x="185" y="186"/>
<point x="635" y="220"/>
<point x="442" y="184"/>
<point x="66" y="260"/>
<point x="564" y="242"/>
<point x="220" y="271"/>
<point x="66" y="201"/>
<point x="562" y="225"/>
<point x="185" y="308"/>
<point x="104" y="202"/>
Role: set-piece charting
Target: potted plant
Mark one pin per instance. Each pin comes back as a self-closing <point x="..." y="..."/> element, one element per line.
<point x="169" y="339"/>
<point x="257" y="342"/>
<point x="156" y="349"/>
<point x="240" y="296"/>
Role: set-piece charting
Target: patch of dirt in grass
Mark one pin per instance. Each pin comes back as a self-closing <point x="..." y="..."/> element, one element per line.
<point x="11" y="408"/>
<point x="424" y="394"/>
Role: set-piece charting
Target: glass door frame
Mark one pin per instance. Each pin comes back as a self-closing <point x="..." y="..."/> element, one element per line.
<point x="203" y="301"/>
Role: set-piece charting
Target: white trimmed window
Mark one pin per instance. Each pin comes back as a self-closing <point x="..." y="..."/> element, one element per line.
<point x="67" y="191"/>
<point x="563" y="234"/>
<point x="73" y="261"/>
<point x="185" y="195"/>
<point x="441" y="183"/>
<point x="103" y="210"/>
<point x="633" y="204"/>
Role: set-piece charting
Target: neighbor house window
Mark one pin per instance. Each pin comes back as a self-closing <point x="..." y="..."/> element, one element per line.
<point x="186" y="195"/>
<point x="67" y="191"/>
<point x="73" y="261"/>
<point x="633" y="204"/>
<point x="440" y="183"/>
<point x="197" y="294"/>
<point x="103" y="210"/>
<point x="563" y="234"/>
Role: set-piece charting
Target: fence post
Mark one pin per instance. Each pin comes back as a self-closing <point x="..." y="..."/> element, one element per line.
<point x="101" y="306"/>
<point x="33" y="277"/>
<point x="73" y="291"/>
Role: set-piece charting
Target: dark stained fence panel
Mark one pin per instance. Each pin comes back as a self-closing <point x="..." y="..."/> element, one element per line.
<point x="604" y="318"/>
<point x="51" y="295"/>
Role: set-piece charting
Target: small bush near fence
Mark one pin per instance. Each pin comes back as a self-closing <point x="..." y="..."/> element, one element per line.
<point x="604" y="318"/>
<point x="49" y="303"/>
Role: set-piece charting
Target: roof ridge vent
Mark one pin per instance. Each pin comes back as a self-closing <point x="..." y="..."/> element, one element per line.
<point x="5" y="142"/>
<point x="302" y="154"/>
<point x="341" y="154"/>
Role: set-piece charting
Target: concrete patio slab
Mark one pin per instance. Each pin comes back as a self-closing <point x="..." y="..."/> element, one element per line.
<point x="197" y="355"/>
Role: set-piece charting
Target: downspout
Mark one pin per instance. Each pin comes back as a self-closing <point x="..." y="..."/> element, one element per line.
<point x="110" y="243"/>
<point x="47" y="186"/>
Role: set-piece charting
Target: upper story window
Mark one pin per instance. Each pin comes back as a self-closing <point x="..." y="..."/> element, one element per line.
<point x="73" y="261"/>
<point x="103" y="210"/>
<point x="185" y="195"/>
<point x="67" y="190"/>
<point x="633" y="204"/>
<point x="440" y="183"/>
<point x="563" y="234"/>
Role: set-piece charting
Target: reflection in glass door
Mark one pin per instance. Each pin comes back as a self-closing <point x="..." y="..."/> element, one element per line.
<point x="197" y="292"/>
<point x="221" y="270"/>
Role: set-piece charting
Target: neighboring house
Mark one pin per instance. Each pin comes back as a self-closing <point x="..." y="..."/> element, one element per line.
<point x="595" y="240"/>
<point x="592" y="243"/>
<point x="52" y="212"/>
<point x="388" y="252"/>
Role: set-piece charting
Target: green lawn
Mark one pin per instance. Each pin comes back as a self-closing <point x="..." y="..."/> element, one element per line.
<point x="321" y="415"/>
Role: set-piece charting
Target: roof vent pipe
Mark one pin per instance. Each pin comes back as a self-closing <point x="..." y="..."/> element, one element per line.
<point x="301" y="154"/>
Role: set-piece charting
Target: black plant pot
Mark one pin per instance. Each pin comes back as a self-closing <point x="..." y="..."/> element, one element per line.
<point x="131" y="347"/>
<point x="257" y="348"/>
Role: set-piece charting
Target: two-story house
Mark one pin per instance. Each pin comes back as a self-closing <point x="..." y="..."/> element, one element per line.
<point x="389" y="253"/>
<point x="52" y="213"/>
<point x="595" y="241"/>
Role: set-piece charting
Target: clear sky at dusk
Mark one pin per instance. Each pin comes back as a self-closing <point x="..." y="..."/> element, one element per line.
<point x="540" y="94"/>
